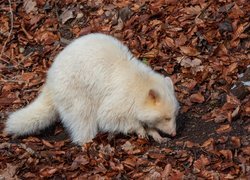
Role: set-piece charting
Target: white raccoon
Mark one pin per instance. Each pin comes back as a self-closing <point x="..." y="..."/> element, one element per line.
<point x="96" y="84"/>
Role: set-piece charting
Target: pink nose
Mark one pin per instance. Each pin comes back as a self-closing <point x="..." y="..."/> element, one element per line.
<point x="173" y="134"/>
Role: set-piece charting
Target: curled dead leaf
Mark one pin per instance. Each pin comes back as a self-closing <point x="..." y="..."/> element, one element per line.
<point x="224" y="128"/>
<point x="198" y="98"/>
<point x="81" y="160"/>
<point x="227" y="154"/>
<point x="190" y="144"/>
<point x="200" y="164"/>
<point x="66" y="15"/>
<point x="188" y="50"/>
<point x="127" y="146"/>
<point x="235" y="141"/>
<point x="246" y="150"/>
<point x="170" y="42"/>
<point x="29" y="6"/>
<point x="9" y="172"/>
<point x="166" y="172"/>
<point x="47" y="143"/>
<point x="48" y="171"/>
<point x="129" y="162"/>
<point x="151" y="54"/>
<point x="208" y="144"/>
<point x="156" y="155"/>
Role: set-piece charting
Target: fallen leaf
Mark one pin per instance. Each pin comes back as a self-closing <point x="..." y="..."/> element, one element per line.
<point x="127" y="146"/>
<point x="246" y="150"/>
<point x="48" y="171"/>
<point x="227" y="154"/>
<point x="224" y="128"/>
<point x="235" y="142"/>
<point x="208" y="144"/>
<point x="129" y="162"/>
<point x="66" y="15"/>
<point x="29" y="6"/>
<point x="9" y="172"/>
<point x="193" y="10"/>
<point x="81" y="160"/>
<point x="47" y="143"/>
<point x="200" y="163"/>
<point x="170" y="42"/>
<point x="198" y="98"/>
<point x="156" y="155"/>
<point x="166" y="172"/>
<point x="188" y="50"/>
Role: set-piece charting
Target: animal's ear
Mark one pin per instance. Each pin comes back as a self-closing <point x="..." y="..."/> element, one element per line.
<point x="153" y="96"/>
<point x="169" y="83"/>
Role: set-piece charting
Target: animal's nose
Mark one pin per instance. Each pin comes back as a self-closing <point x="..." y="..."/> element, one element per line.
<point x="173" y="134"/>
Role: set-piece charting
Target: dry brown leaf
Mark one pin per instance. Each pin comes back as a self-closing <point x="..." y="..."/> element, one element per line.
<point x="66" y="15"/>
<point x="47" y="143"/>
<point x="246" y="150"/>
<point x="9" y="172"/>
<point x="47" y="37"/>
<point x="181" y="40"/>
<point x="81" y="160"/>
<point x="29" y="6"/>
<point x="166" y="172"/>
<point x="222" y="139"/>
<point x="208" y="144"/>
<point x="190" y="84"/>
<point x="127" y="146"/>
<point x="48" y="171"/>
<point x="236" y="12"/>
<point x="170" y="42"/>
<point x="156" y="155"/>
<point x="235" y="141"/>
<point x="227" y="154"/>
<point x="200" y="163"/>
<point x="190" y="144"/>
<point x="224" y="128"/>
<point x="131" y="162"/>
<point x="193" y="10"/>
<point x="198" y="98"/>
<point x="194" y="64"/>
<point x="151" y="54"/>
<point x="189" y="51"/>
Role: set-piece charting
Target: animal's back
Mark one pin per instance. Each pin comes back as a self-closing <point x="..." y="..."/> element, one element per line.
<point x="96" y="62"/>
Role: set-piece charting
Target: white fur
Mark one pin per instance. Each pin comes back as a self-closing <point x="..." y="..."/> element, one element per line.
<point x="96" y="84"/>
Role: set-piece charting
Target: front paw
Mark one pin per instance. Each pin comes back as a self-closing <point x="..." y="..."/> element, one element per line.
<point x="141" y="133"/>
<point x="161" y="140"/>
<point x="156" y="136"/>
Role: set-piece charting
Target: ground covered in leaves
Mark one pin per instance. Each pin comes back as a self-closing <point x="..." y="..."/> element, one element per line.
<point x="204" y="46"/>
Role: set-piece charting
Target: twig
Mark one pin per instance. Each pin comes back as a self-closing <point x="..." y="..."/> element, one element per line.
<point x="24" y="58"/>
<point x="203" y="10"/>
<point x="11" y="29"/>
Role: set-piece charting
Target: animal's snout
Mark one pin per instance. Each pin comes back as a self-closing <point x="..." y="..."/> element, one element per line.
<point x="173" y="134"/>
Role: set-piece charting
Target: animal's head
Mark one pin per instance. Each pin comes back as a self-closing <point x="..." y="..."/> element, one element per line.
<point x="160" y="106"/>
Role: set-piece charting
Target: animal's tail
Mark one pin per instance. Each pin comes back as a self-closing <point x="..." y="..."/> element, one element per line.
<point x="34" y="117"/>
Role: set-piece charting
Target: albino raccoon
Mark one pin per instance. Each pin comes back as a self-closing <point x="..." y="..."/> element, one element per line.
<point x="96" y="84"/>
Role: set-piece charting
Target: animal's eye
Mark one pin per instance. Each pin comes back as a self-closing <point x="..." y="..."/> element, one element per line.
<point x="167" y="119"/>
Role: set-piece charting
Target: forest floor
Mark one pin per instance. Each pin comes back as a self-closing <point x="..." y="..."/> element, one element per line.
<point x="204" y="46"/>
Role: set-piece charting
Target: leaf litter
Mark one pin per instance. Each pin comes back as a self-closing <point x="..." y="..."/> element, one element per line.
<point x="202" y="45"/>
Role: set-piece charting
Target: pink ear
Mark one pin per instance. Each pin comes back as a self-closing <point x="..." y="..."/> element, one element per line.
<point x="153" y="95"/>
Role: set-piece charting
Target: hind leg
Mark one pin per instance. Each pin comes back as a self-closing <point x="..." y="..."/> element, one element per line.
<point x="79" y="122"/>
<point x="81" y="130"/>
